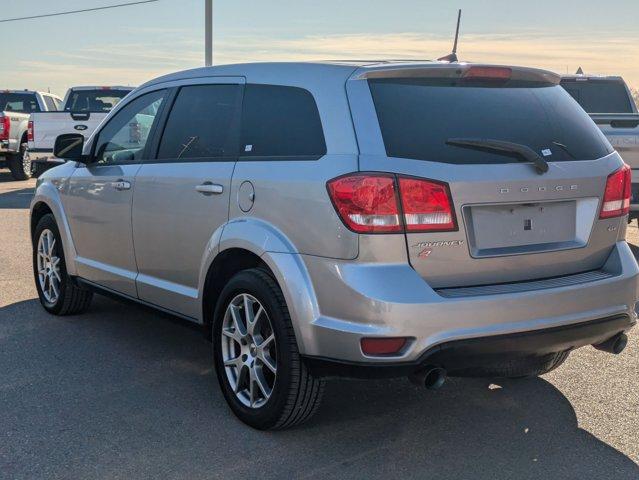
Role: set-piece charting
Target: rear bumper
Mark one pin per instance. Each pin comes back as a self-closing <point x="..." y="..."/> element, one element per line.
<point x="463" y="356"/>
<point x="391" y="300"/>
<point x="8" y="147"/>
<point x="4" y="150"/>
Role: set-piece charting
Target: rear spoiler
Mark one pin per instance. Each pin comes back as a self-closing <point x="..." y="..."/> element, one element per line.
<point x="453" y="71"/>
<point x="616" y="120"/>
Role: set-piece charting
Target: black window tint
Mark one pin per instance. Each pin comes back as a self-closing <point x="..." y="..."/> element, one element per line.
<point x="281" y="122"/>
<point x="418" y="116"/>
<point x="124" y="137"/>
<point x="600" y="96"/>
<point x="19" y="102"/>
<point x="203" y="123"/>
<point x="50" y="103"/>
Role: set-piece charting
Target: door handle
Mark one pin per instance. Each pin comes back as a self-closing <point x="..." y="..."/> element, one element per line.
<point x="209" y="188"/>
<point x="121" y="185"/>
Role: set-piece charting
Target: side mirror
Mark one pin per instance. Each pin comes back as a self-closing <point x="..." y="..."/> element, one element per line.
<point x="69" y="147"/>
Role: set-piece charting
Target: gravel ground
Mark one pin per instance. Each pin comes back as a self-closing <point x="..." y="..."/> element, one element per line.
<point x="123" y="392"/>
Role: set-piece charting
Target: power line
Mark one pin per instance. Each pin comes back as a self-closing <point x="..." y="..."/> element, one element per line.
<point x="77" y="11"/>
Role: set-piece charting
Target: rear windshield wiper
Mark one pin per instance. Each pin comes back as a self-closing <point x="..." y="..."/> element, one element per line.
<point x="502" y="147"/>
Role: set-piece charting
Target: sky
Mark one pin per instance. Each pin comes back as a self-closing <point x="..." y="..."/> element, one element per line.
<point x="129" y="45"/>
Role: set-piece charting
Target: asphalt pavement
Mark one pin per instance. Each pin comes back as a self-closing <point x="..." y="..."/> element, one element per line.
<point x="123" y="392"/>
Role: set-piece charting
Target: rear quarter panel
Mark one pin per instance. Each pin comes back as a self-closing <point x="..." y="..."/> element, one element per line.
<point x="290" y="194"/>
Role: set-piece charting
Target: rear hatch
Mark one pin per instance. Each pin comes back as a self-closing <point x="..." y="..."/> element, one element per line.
<point x="511" y="220"/>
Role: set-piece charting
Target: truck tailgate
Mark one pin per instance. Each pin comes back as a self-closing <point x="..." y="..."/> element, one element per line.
<point x="48" y="125"/>
<point x="622" y="131"/>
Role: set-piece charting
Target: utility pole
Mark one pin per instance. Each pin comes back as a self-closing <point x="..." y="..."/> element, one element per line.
<point x="208" y="32"/>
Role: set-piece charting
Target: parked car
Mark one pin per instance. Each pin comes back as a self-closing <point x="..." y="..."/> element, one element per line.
<point x="15" y="108"/>
<point x="609" y="102"/>
<point x="82" y="111"/>
<point x="321" y="219"/>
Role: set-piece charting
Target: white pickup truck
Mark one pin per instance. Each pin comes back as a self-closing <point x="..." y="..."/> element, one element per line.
<point x="609" y="103"/>
<point x="15" y="108"/>
<point x="82" y="111"/>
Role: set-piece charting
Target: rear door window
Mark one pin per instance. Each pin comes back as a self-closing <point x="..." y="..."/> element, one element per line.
<point x="418" y="116"/>
<point x="203" y="124"/>
<point x="599" y="96"/>
<point x="280" y="121"/>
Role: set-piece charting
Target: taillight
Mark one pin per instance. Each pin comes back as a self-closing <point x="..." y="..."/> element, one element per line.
<point x="30" y="131"/>
<point x="427" y="205"/>
<point x="616" y="201"/>
<point x="5" y="127"/>
<point x="370" y="203"/>
<point x="366" y="203"/>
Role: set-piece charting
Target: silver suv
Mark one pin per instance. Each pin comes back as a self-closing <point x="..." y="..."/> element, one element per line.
<point x="356" y="219"/>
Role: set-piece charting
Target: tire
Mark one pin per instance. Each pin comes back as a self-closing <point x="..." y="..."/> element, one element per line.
<point x="19" y="164"/>
<point x="70" y="298"/>
<point x="295" y="394"/>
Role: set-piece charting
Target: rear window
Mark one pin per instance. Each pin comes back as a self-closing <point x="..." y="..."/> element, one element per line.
<point x="99" y="100"/>
<point x="599" y="96"/>
<point x="418" y="116"/>
<point x="19" y="102"/>
<point x="279" y="121"/>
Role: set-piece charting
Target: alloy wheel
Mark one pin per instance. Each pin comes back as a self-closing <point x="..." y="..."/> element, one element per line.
<point x="26" y="160"/>
<point x="48" y="264"/>
<point x="249" y="351"/>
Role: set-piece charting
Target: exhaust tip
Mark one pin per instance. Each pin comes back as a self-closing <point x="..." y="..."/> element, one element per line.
<point x="435" y="378"/>
<point x="430" y="377"/>
<point x="615" y="345"/>
<point x="620" y="344"/>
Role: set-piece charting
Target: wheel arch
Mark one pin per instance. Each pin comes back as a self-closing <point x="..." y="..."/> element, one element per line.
<point x="225" y="264"/>
<point x="47" y="201"/>
<point x="38" y="210"/>
<point x="251" y="243"/>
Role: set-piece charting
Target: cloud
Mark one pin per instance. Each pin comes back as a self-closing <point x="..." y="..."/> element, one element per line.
<point x="605" y="55"/>
<point x="177" y="49"/>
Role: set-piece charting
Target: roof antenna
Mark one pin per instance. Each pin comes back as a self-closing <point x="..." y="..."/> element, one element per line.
<point x="452" y="57"/>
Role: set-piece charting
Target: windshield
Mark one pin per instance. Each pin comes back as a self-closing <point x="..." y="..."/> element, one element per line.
<point x="417" y="116"/>
<point x="99" y="100"/>
<point x="19" y="102"/>
<point x="599" y="96"/>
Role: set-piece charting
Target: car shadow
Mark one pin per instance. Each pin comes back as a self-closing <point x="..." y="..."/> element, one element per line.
<point x="15" y="198"/>
<point x="123" y="390"/>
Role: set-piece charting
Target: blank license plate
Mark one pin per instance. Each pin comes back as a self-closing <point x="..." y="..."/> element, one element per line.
<point x="503" y="226"/>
